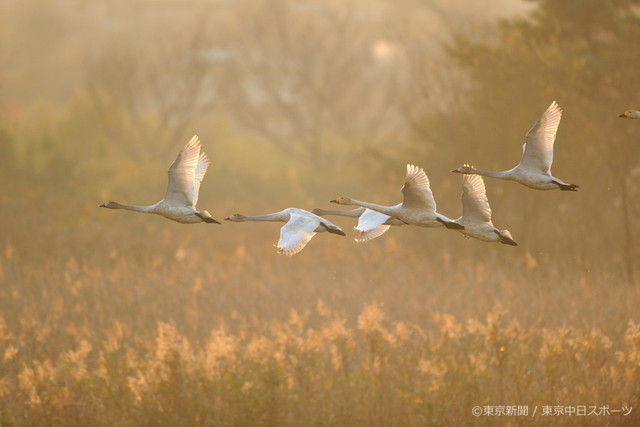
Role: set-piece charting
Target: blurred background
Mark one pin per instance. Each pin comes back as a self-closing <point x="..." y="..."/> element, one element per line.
<point x="297" y="102"/>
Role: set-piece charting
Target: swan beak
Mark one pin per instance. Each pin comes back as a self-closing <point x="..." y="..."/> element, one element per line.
<point x="104" y="205"/>
<point x="333" y="201"/>
<point x="622" y="115"/>
<point x="456" y="170"/>
<point x="228" y="218"/>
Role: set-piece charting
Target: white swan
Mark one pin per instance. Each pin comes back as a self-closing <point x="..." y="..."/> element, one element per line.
<point x="476" y="213"/>
<point x="534" y="170"/>
<point x="300" y="227"/>
<point x="630" y="114"/>
<point x="185" y="175"/>
<point x="371" y="224"/>
<point x="418" y="206"/>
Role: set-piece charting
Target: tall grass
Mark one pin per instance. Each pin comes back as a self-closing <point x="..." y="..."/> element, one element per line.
<point x="110" y="318"/>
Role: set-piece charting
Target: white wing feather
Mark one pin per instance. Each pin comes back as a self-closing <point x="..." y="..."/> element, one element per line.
<point x="538" y="148"/>
<point x="416" y="190"/>
<point x="475" y="205"/>
<point x="372" y="233"/>
<point x="201" y="169"/>
<point x="371" y="224"/>
<point x="296" y="233"/>
<point x="181" y="190"/>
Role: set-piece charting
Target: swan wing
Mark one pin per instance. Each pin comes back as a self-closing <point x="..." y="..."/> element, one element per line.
<point x="371" y="225"/>
<point x="538" y="147"/>
<point x="297" y="232"/>
<point x="475" y="205"/>
<point x="181" y="190"/>
<point x="416" y="190"/>
<point x="372" y="233"/>
<point x="201" y="169"/>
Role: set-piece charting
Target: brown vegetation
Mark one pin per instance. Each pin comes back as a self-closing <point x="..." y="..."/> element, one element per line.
<point x="116" y="318"/>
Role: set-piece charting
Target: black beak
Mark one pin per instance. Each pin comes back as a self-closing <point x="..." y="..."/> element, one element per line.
<point x="622" y="115"/>
<point x="333" y="201"/>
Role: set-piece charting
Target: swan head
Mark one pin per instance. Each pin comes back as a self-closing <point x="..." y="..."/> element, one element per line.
<point x="318" y="212"/>
<point x="630" y="114"/>
<point x="110" y="205"/>
<point x="465" y="169"/>
<point x="341" y="201"/>
<point x="236" y="218"/>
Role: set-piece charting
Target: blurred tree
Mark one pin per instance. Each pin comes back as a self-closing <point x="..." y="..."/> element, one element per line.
<point x="159" y="90"/>
<point x="584" y="54"/>
<point x="311" y="77"/>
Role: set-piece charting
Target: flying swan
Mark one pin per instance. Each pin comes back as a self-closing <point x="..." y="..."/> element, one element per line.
<point x="476" y="213"/>
<point x="534" y="170"/>
<point x="300" y="226"/>
<point x="418" y="206"/>
<point x="185" y="176"/>
<point x="371" y="224"/>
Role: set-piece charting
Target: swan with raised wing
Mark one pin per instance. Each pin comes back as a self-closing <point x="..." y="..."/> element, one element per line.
<point x="418" y="206"/>
<point x="534" y="169"/>
<point x="300" y="226"/>
<point x="476" y="213"/>
<point x="185" y="175"/>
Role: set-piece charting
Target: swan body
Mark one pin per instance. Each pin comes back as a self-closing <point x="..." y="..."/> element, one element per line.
<point x="300" y="226"/>
<point x="476" y="213"/>
<point x="534" y="169"/>
<point x="418" y="206"/>
<point x="371" y="224"/>
<point x="185" y="175"/>
<point x="630" y="114"/>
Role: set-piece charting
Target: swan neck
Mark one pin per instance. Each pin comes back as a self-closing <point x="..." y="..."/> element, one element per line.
<point x="490" y="174"/>
<point x="388" y="210"/>
<point x="147" y="209"/>
<point x="353" y="212"/>
<point x="271" y="217"/>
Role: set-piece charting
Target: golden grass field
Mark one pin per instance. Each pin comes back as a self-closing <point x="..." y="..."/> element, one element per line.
<point x="112" y="318"/>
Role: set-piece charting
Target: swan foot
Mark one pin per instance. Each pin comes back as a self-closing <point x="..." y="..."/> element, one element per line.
<point x="506" y="239"/>
<point x="333" y="230"/>
<point x="207" y="219"/>
<point x="451" y="225"/>
<point x="567" y="187"/>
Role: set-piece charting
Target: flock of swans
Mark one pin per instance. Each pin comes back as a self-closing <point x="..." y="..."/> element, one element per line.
<point x="418" y="206"/>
